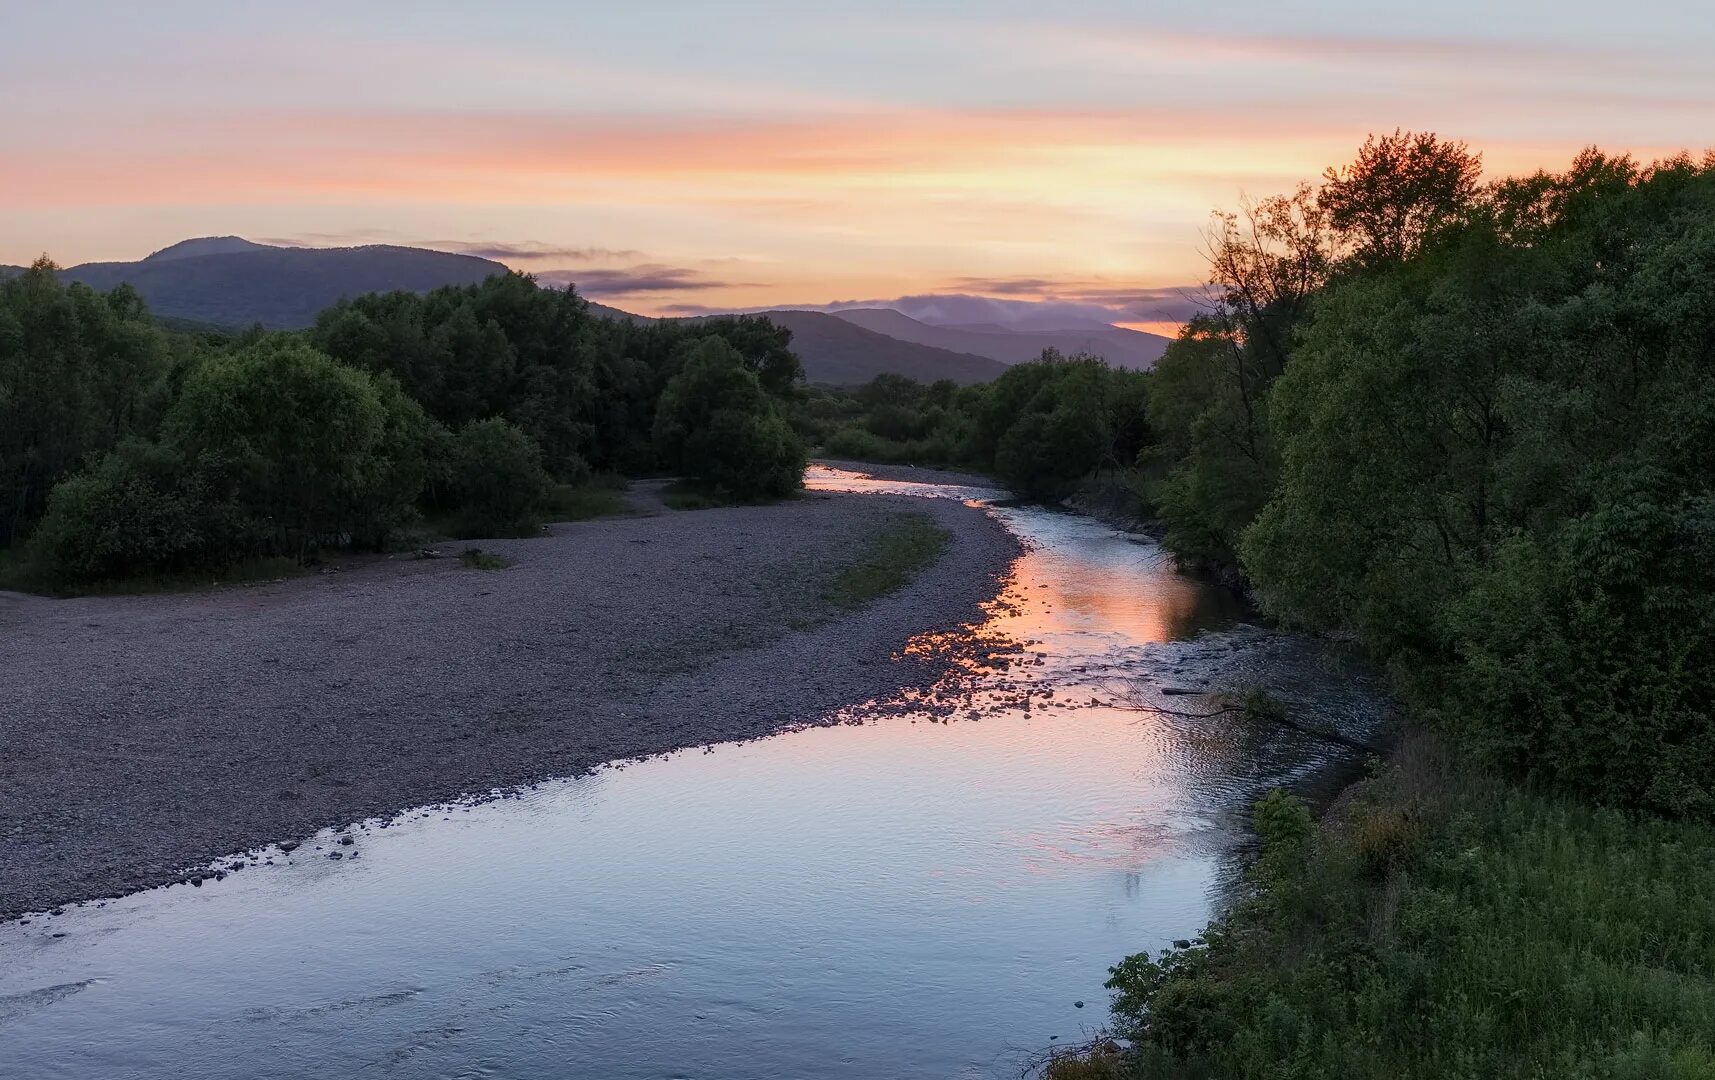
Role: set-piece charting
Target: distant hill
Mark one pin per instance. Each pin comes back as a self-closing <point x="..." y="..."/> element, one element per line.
<point x="1119" y="346"/>
<point x="837" y="353"/>
<point x="229" y="281"/>
<point x="212" y="282"/>
<point x="841" y="353"/>
<point x="614" y="313"/>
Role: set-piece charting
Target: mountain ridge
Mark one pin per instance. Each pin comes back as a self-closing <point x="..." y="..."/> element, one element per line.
<point x="233" y="282"/>
<point x="1119" y="346"/>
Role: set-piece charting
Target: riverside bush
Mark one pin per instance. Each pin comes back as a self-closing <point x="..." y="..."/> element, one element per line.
<point x="716" y="425"/>
<point x="140" y="511"/>
<point x="1516" y="935"/>
<point x="497" y="479"/>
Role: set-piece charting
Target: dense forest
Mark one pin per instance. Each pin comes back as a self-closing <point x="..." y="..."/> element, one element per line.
<point x="128" y="451"/>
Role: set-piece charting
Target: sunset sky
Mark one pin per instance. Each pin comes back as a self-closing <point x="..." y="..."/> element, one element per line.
<point x="687" y="156"/>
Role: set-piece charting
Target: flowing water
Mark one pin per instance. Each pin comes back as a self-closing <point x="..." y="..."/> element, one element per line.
<point x="908" y="896"/>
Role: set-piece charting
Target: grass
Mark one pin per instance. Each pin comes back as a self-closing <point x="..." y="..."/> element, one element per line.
<point x="18" y="574"/>
<point x="1442" y="924"/>
<point x="685" y="495"/>
<point x="889" y="557"/>
<point x="690" y="495"/>
<point x="569" y="502"/>
<point x="474" y="558"/>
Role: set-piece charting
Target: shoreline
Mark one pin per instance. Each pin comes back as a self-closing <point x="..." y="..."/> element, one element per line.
<point x="155" y="734"/>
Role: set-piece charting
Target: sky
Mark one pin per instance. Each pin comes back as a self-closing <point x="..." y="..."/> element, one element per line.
<point x="675" y="157"/>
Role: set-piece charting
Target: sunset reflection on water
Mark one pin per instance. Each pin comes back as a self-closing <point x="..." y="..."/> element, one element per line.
<point x="924" y="891"/>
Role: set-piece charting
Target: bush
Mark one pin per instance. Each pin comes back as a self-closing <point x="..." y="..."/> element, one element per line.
<point x="140" y="511"/>
<point x="1589" y="659"/>
<point x="1443" y="927"/>
<point x="497" y="479"/>
<point x="321" y="453"/>
<point x="1045" y="455"/>
<point x="716" y="425"/>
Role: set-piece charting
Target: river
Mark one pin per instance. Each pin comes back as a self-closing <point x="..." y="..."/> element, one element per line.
<point x="900" y="895"/>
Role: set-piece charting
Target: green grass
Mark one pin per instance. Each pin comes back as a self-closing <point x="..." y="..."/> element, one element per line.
<point x="889" y="557"/>
<point x="684" y="495"/>
<point x="18" y="574"/>
<point x="568" y="502"/>
<point x="474" y="558"/>
<point x="690" y="495"/>
<point x="1445" y="925"/>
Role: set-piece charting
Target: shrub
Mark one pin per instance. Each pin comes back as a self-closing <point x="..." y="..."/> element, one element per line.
<point x="497" y="480"/>
<point x="141" y="510"/>
<point x="321" y="452"/>
<point x="716" y="425"/>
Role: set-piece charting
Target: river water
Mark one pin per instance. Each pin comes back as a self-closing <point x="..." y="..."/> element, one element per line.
<point x="907" y="896"/>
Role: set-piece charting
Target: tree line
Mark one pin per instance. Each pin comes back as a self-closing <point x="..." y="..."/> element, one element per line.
<point x="1469" y="424"/>
<point x="128" y="450"/>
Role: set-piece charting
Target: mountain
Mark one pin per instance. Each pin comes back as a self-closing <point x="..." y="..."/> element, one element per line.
<point x="1119" y="346"/>
<point x="234" y="282"/>
<point x="207" y="245"/>
<point x="838" y="353"/>
<point x="606" y="312"/>
<point x="841" y="353"/>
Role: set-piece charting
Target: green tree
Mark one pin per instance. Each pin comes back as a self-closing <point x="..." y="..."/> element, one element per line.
<point x="316" y="447"/>
<point x="79" y="371"/>
<point x="497" y="479"/>
<point x="716" y="423"/>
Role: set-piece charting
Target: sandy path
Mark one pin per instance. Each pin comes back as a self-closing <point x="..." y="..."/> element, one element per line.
<point x="143" y="735"/>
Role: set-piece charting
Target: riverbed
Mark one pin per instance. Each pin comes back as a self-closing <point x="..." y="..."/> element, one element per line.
<point x="931" y="892"/>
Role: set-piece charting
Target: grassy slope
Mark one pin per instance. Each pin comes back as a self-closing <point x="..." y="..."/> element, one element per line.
<point x="1444" y="925"/>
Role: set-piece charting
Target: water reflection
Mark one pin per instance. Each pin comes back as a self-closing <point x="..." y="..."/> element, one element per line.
<point x="915" y="896"/>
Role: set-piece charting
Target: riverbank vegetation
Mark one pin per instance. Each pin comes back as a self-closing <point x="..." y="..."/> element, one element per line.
<point x="132" y="453"/>
<point x="887" y="559"/>
<point x="1468" y="426"/>
<point x="1046" y="429"/>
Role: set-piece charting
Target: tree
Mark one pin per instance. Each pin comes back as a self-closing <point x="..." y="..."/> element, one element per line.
<point x="315" y="446"/>
<point x="497" y="478"/>
<point x="716" y="423"/>
<point x="79" y="371"/>
<point x="1401" y="188"/>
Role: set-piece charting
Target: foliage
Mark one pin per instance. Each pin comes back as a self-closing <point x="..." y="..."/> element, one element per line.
<point x="1532" y="936"/>
<point x="461" y="402"/>
<point x="1494" y="468"/>
<point x="79" y="372"/>
<point x="575" y="502"/>
<point x="141" y="511"/>
<point x="717" y="425"/>
<point x="474" y="558"/>
<point x="888" y="558"/>
<point x="1400" y="190"/>
<point x="319" y="453"/>
<point x="584" y="388"/>
<point x="497" y="479"/>
<point x="1470" y="427"/>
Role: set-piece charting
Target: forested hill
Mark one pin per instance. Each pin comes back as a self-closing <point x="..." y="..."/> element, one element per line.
<point x="1120" y="347"/>
<point x="837" y="352"/>
<point x="233" y="282"/>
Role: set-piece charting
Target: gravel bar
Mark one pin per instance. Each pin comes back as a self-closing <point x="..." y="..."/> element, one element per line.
<point x="142" y="737"/>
